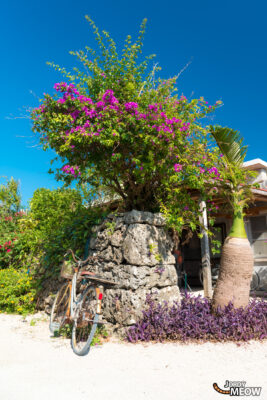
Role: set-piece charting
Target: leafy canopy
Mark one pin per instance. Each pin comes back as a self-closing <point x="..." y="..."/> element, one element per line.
<point x="116" y="126"/>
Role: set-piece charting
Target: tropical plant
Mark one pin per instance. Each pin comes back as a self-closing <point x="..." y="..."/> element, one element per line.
<point x="236" y="268"/>
<point x="118" y="127"/>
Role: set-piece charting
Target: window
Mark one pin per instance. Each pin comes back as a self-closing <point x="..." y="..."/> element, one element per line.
<point x="259" y="236"/>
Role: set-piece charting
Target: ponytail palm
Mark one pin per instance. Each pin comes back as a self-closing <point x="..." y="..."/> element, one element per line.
<point x="233" y="284"/>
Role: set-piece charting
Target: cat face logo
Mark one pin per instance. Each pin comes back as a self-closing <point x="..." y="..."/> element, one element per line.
<point x="238" y="388"/>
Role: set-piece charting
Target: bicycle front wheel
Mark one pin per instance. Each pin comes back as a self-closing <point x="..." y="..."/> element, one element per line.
<point x="85" y="322"/>
<point x="60" y="308"/>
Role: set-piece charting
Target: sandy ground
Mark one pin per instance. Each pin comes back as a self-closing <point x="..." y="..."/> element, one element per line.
<point x="35" y="366"/>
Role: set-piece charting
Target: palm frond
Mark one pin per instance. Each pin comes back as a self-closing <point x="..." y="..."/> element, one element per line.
<point x="230" y="143"/>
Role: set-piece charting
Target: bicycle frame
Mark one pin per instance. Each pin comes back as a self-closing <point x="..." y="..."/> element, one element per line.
<point x="73" y="301"/>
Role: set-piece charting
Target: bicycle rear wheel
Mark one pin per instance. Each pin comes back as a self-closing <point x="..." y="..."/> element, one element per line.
<point x="59" y="308"/>
<point x="200" y="276"/>
<point x="255" y="281"/>
<point x="85" y="322"/>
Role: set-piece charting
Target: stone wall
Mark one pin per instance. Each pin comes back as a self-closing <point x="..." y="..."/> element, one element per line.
<point x="137" y="253"/>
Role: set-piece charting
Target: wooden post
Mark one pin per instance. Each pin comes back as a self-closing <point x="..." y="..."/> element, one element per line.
<point x="205" y="250"/>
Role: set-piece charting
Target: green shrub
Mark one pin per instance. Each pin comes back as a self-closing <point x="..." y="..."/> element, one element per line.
<point x="17" y="291"/>
<point x="58" y="220"/>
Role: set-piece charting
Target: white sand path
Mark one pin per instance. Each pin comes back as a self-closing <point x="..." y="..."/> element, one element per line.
<point x="34" y="366"/>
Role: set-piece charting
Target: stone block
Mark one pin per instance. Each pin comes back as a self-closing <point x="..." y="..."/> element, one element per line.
<point x="147" y="245"/>
<point x="144" y="217"/>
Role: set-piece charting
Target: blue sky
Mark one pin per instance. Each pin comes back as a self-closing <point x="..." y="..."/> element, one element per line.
<point x="225" y="42"/>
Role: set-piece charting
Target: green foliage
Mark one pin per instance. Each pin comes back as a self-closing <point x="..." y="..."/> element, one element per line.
<point x="106" y="69"/>
<point x="61" y="222"/>
<point x="10" y="217"/>
<point x="158" y="257"/>
<point x="236" y="186"/>
<point x="17" y="291"/>
<point x="100" y="335"/>
<point x="10" y="199"/>
<point x="37" y="240"/>
<point x="152" y="247"/>
<point x="111" y="227"/>
<point x="230" y="143"/>
<point x="64" y="331"/>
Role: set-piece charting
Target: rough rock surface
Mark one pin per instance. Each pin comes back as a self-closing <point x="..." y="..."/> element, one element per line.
<point x="134" y="250"/>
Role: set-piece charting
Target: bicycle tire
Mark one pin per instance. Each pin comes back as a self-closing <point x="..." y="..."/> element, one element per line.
<point x="255" y="281"/>
<point x="73" y="294"/>
<point x="200" y="276"/>
<point x="85" y="322"/>
<point x="59" y="308"/>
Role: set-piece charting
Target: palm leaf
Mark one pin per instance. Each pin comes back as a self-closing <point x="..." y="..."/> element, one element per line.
<point x="230" y="143"/>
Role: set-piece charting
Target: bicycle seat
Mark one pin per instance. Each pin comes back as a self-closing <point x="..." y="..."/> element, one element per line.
<point x="94" y="277"/>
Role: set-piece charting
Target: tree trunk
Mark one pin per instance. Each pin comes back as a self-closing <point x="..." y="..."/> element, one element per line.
<point x="236" y="269"/>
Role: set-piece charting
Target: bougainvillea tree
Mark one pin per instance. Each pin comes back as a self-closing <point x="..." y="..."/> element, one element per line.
<point x="117" y="127"/>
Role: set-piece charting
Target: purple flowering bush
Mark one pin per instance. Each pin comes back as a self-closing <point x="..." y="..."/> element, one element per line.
<point x="126" y="132"/>
<point x="192" y="320"/>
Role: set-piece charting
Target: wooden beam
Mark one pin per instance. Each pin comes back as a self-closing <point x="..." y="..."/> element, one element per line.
<point x="205" y="250"/>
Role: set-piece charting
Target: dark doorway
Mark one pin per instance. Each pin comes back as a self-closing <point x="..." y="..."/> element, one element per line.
<point x="192" y="254"/>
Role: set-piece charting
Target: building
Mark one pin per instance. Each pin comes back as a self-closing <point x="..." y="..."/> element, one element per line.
<point x="256" y="227"/>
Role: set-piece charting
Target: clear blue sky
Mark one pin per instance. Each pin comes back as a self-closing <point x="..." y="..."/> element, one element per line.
<point x="226" y="42"/>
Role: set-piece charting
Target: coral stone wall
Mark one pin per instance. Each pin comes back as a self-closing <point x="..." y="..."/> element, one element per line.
<point x="137" y="253"/>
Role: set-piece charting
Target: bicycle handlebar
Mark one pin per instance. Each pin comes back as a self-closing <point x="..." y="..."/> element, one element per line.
<point x="81" y="262"/>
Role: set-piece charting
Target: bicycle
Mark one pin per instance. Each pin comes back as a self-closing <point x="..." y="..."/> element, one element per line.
<point x="81" y="309"/>
<point x="255" y="281"/>
<point x="183" y="279"/>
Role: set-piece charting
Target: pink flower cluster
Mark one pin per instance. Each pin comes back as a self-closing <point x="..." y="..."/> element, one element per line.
<point x="131" y="106"/>
<point x="74" y="171"/>
<point x="7" y="246"/>
<point x="66" y="88"/>
<point x="69" y="91"/>
<point x="92" y="119"/>
<point x="163" y="125"/>
<point x="213" y="206"/>
<point x="20" y="213"/>
<point x="213" y="171"/>
<point x="155" y="107"/>
<point x="178" y="167"/>
<point x="109" y="97"/>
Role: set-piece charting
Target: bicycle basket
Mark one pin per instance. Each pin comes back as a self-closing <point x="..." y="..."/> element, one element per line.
<point x="67" y="270"/>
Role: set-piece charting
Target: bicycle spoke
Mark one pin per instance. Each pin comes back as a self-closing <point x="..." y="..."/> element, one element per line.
<point x="60" y="308"/>
<point x="85" y="322"/>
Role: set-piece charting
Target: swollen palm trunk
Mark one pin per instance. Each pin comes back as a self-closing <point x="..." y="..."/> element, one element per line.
<point x="236" y="269"/>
